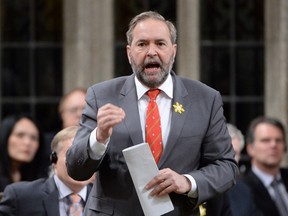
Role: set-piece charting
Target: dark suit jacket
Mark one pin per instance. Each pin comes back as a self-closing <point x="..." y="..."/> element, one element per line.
<point x="198" y="144"/>
<point x="237" y="201"/>
<point x="39" y="198"/>
<point x="262" y="198"/>
<point x="218" y="206"/>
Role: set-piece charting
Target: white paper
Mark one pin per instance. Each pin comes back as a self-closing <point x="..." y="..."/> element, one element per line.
<point x="143" y="168"/>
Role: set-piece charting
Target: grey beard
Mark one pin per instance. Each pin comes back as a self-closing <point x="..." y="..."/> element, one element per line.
<point x="140" y="74"/>
<point x="151" y="83"/>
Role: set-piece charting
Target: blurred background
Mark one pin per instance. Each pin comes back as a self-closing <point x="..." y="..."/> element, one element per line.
<point x="48" y="47"/>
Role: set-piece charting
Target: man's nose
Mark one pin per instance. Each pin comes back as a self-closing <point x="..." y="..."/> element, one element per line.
<point x="152" y="50"/>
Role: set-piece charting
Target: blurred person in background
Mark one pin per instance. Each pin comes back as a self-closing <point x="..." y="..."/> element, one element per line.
<point x="266" y="146"/>
<point x="71" y="106"/>
<point x="238" y="141"/>
<point x="52" y="196"/>
<point x="237" y="201"/>
<point x="70" y="110"/>
<point x="240" y="196"/>
<point x="22" y="150"/>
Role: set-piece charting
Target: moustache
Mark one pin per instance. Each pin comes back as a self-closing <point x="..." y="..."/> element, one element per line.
<point x="152" y="61"/>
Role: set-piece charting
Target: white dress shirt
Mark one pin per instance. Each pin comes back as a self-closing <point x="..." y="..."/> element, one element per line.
<point x="164" y="102"/>
<point x="64" y="191"/>
<point x="267" y="179"/>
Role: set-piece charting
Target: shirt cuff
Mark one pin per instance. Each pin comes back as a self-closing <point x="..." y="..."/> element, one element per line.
<point x="193" y="193"/>
<point x="97" y="149"/>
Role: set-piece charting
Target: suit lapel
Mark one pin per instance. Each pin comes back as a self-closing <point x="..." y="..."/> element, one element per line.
<point x="50" y="201"/>
<point x="180" y="95"/>
<point x="284" y="176"/>
<point x="261" y="193"/>
<point x="128" y="101"/>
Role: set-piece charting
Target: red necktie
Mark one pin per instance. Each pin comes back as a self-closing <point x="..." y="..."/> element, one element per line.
<point x="75" y="206"/>
<point x="153" y="125"/>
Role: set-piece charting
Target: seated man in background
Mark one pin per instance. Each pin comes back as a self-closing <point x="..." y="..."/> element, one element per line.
<point x="53" y="196"/>
<point x="237" y="139"/>
<point x="71" y="106"/>
<point x="266" y="146"/>
<point x="237" y="201"/>
<point x="70" y="110"/>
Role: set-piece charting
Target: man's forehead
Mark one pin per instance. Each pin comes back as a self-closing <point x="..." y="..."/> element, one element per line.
<point x="155" y="29"/>
<point x="151" y="24"/>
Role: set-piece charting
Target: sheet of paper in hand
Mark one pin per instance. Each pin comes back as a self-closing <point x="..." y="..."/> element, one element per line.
<point x="143" y="168"/>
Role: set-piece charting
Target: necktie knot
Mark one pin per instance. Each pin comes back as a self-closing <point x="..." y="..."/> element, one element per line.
<point x="153" y="93"/>
<point x="76" y="207"/>
<point x="275" y="182"/>
<point x="74" y="198"/>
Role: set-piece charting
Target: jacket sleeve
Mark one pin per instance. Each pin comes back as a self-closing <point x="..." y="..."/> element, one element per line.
<point x="218" y="169"/>
<point x="8" y="204"/>
<point x="80" y="165"/>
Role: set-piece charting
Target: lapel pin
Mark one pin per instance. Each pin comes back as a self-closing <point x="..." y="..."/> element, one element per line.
<point x="178" y="108"/>
<point x="202" y="210"/>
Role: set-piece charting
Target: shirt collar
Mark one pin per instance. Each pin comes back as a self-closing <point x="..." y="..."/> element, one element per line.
<point x="264" y="177"/>
<point x="64" y="190"/>
<point x="166" y="87"/>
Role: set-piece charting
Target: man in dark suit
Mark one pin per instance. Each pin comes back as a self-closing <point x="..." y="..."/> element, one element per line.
<point x="47" y="197"/>
<point x="266" y="145"/>
<point x="237" y="201"/>
<point x="196" y="162"/>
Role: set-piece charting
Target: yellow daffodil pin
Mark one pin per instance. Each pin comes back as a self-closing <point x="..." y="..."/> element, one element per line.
<point x="202" y="210"/>
<point x="178" y="108"/>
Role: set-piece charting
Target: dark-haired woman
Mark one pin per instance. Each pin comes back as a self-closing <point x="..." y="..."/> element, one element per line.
<point x="22" y="151"/>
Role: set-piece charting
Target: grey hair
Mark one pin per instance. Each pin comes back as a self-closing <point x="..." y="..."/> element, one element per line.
<point x="64" y="134"/>
<point x="236" y="133"/>
<point x="150" y="15"/>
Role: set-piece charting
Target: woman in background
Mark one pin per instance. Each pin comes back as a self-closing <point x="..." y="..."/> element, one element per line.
<point x="22" y="151"/>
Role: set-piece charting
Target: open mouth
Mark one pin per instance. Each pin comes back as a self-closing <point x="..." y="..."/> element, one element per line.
<point x="154" y="66"/>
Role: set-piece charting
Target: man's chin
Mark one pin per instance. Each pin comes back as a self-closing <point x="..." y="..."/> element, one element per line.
<point x="273" y="164"/>
<point x="152" y="71"/>
<point x="151" y="79"/>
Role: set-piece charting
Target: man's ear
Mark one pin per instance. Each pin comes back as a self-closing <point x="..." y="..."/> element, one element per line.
<point x="250" y="149"/>
<point x="175" y="49"/>
<point x="128" y="52"/>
